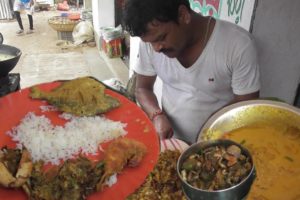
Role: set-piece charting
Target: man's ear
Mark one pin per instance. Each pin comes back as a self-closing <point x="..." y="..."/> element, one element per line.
<point x="184" y="15"/>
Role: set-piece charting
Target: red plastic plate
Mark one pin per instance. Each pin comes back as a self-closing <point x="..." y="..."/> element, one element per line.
<point x="15" y="106"/>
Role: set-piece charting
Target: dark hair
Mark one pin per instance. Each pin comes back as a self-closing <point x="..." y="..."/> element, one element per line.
<point x="138" y="13"/>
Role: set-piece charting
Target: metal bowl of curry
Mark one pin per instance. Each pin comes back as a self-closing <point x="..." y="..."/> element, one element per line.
<point x="216" y="170"/>
<point x="270" y="130"/>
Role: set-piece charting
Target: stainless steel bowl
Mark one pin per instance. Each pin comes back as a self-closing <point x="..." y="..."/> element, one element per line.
<point x="249" y="112"/>
<point x="236" y="192"/>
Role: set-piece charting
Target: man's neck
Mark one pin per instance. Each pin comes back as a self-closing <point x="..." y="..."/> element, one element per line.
<point x="200" y="30"/>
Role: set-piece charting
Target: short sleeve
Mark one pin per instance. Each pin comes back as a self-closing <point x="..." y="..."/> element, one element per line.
<point x="245" y="69"/>
<point x="144" y="64"/>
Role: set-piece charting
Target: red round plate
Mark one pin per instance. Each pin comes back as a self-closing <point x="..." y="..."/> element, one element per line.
<point x="15" y="106"/>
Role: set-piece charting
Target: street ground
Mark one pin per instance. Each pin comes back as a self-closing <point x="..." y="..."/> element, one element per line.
<point x="45" y="58"/>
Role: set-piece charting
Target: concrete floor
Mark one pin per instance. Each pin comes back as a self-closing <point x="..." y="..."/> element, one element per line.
<point x="45" y="58"/>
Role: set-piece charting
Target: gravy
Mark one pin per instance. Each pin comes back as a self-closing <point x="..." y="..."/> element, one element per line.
<point x="276" y="153"/>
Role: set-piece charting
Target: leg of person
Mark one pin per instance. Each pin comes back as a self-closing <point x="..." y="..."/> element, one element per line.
<point x="18" y="16"/>
<point x="30" y="24"/>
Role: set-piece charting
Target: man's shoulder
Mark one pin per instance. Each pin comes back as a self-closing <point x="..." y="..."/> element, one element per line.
<point x="229" y="29"/>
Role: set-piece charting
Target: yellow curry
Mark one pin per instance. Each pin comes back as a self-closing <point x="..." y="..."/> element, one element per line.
<point x="276" y="152"/>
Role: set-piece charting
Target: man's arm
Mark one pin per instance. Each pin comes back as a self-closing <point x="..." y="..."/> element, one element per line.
<point x="148" y="101"/>
<point x="145" y="95"/>
<point x="251" y="96"/>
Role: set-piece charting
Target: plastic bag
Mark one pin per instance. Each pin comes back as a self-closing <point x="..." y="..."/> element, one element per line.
<point x="63" y="6"/>
<point x="117" y="85"/>
<point x="83" y="32"/>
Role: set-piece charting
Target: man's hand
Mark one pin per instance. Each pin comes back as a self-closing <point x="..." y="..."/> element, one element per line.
<point x="148" y="101"/>
<point x="163" y="126"/>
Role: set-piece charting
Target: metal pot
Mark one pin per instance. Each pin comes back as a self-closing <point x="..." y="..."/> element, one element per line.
<point x="7" y="65"/>
<point x="236" y="192"/>
<point x="1" y="38"/>
<point x="271" y="114"/>
<point x="249" y="112"/>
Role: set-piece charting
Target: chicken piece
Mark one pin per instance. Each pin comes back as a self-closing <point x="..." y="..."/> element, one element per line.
<point x="24" y="170"/>
<point x="82" y="97"/>
<point x="120" y="153"/>
<point x="8" y="178"/>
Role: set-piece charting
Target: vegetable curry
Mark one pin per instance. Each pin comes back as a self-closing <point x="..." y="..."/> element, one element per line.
<point x="276" y="153"/>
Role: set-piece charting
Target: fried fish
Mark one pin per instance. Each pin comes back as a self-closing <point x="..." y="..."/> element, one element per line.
<point x="82" y="97"/>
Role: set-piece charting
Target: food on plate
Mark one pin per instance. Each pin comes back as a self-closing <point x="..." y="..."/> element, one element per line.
<point x="275" y="149"/>
<point x="15" y="167"/>
<point x="77" y="178"/>
<point x="216" y="167"/>
<point x="121" y="152"/>
<point x="82" y="97"/>
<point x="162" y="182"/>
<point x="51" y="143"/>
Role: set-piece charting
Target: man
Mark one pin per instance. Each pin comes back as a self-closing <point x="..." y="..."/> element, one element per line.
<point x="204" y="64"/>
<point x="27" y="6"/>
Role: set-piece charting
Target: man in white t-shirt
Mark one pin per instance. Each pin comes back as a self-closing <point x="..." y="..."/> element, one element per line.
<point x="204" y="64"/>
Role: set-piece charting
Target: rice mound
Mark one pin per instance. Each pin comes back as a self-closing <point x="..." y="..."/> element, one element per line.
<point x="52" y="143"/>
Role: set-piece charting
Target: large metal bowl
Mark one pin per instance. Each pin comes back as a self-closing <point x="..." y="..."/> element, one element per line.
<point x="236" y="192"/>
<point x="257" y="113"/>
<point x="247" y="113"/>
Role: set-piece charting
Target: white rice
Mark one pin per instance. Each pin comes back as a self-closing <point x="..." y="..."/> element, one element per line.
<point x="55" y="143"/>
<point x="48" y="108"/>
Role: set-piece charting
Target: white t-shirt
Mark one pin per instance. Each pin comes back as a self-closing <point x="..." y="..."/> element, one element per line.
<point x="227" y="66"/>
<point x="23" y="6"/>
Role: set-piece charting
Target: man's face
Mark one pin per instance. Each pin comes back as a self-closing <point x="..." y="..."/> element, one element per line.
<point x="165" y="37"/>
